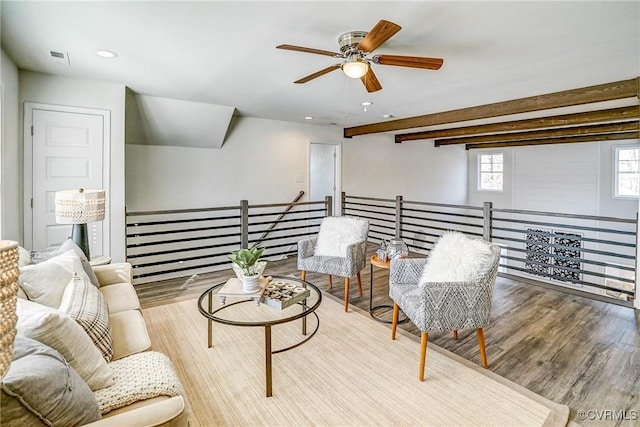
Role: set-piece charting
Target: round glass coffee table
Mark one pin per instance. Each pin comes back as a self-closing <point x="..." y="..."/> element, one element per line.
<point x="254" y="313"/>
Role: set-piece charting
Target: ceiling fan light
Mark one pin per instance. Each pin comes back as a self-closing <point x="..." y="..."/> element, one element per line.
<point x="355" y="68"/>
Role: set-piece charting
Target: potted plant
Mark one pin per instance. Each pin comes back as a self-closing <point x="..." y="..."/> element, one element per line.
<point x="248" y="267"/>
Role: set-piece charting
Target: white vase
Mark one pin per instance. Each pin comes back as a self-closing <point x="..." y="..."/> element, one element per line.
<point x="251" y="283"/>
<point x="258" y="268"/>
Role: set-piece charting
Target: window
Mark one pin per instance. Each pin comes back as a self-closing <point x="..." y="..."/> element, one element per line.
<point x="627" y="175"/>
<point x="491" y="172"/>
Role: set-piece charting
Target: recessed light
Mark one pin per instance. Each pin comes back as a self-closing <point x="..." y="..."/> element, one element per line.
<point x="308" y="118"/>
<point x="365" y="103"/>
<point x="106" y="54"/>
<point x="387" y="116"/>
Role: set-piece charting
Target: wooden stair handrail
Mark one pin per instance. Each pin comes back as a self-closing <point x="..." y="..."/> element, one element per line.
<point x="275" y="222"/>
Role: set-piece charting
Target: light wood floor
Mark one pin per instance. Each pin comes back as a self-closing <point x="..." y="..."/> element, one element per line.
<point x="570" y="349"/>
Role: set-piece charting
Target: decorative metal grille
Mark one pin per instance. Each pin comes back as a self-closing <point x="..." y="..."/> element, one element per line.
<point x="554" y="254"/>
<point x="538" y="255"/>
<point x="570" y="258"/>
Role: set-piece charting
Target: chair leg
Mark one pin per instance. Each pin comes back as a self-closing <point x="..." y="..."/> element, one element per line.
<point x="424" y="337"/>
<point x="359" y="283"/>
<point x="455" y="334"/>
<point x="394" y="321"/>
<point x="330" y="282"/>
<point x="346" y="294"/>
<point x="483" y="350"/>
<point x="303" y="275"/>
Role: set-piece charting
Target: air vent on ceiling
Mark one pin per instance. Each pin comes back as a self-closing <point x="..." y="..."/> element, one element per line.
<point x="59" y="57"/>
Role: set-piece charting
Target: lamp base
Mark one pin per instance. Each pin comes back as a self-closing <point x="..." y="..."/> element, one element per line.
<point x="80" y="237"/>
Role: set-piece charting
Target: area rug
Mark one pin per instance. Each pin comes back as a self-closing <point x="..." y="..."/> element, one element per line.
<point x="349" y="374"/>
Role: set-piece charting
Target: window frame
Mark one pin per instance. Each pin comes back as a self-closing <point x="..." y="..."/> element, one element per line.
<point x="616" y="170"/>
<point x="479" y="174"/>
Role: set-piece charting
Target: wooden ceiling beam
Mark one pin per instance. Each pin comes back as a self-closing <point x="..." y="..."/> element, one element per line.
<point x="546" y="133"/>
<point x="586" y="95"/>
<point x="563" y="140"/>
<point x="597" y="116"/>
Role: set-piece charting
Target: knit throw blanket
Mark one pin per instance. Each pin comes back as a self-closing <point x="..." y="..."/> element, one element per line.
<point x="139" y="377"/>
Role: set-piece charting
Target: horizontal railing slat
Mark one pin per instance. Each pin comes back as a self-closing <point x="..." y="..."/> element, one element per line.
<point x="567" y="226"/>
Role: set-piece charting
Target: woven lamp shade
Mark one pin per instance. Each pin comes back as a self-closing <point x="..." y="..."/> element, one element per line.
<point x="79" y="206"/>
<point x="9" y="273"/>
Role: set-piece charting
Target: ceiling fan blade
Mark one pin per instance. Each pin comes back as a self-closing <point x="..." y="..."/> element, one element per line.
<point x="308" y="50"/>
<point x="378" y="35"/>
<point x="409" y="61"/>
<point x="370" y="81"/>
<point x="318" y="73"/>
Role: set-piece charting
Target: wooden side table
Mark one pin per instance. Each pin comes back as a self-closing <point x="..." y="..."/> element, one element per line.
<point x="372" y="310"/>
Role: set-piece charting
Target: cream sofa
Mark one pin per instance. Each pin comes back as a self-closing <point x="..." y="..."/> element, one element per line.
<point x="130" y="336"/>
<point x="132" y="362"/>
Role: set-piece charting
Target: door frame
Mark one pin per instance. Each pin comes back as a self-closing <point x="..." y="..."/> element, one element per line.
<point x="337" y="199"/>
<point x="27" y="183"/>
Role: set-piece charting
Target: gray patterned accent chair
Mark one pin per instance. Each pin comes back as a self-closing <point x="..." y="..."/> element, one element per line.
<point x="443" y="306"/>
<point x="348" y="262"/>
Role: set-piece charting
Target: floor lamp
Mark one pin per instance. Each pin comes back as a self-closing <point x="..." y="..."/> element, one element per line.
<point x="79" y="207"/>
<point x="9" y="273"/>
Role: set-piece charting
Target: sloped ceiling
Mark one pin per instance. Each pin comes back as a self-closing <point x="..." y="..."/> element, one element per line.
<point x="152" y="120"/>
<point x="223" y="53"/>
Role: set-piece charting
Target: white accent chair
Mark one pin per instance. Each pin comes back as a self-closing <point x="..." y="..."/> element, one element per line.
<point x="338" y="250"/>
<point x="437" y="300"/>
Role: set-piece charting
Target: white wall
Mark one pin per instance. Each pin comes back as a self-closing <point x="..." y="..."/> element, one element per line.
<point x="567" y="178"/>
<point x="561" y="178"/>
<point x="261" y="158"/>
<point x="10" y="154"/>
<point x="375" y="166"/>
<point x="258" y="162"/>
<point x="49" y="89"/>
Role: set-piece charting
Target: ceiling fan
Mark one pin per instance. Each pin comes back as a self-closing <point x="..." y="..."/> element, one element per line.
<point x="355" y="47"/>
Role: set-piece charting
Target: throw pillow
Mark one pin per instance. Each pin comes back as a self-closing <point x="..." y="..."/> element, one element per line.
<point x="41" y="380"/>
<point x="14" y="414"/>
<point x="37" y="257"/>
<point x="338" y="232"/>
<point x="456" y="258"/>
<point x="24" y="258"/>
<point x="85" y="304"/>
<point x="57" y="330"/>
<point x="44" y="283"/>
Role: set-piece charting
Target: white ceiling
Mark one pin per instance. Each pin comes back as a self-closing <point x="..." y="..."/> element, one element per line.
<point x="223" y="52"/>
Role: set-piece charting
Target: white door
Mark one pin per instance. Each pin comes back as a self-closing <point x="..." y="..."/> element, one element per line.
<point x="66" y="153"/>
<point x="323" y="173"/>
